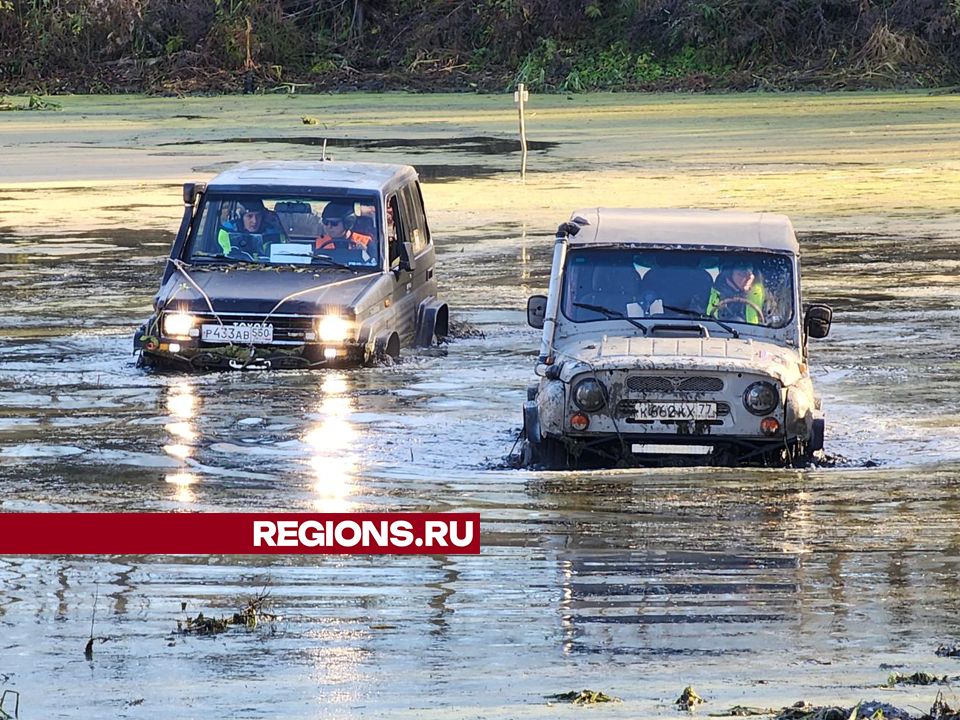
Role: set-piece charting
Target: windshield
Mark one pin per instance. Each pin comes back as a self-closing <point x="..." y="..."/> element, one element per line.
<point x="751" y="288"/>
<point x="282" y="230"/>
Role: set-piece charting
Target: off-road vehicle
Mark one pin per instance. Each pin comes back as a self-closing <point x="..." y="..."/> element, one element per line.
<point x="674" y="336"/>
<point x="296" y="265"/>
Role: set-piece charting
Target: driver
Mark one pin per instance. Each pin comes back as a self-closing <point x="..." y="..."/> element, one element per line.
<point x="338" y="233"/>
<point x="737" y="293"/>
<point x="253" y="228"/>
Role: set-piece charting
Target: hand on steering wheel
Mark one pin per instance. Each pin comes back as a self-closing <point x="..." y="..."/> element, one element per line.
<point x="727" y="301"/>
<point x="338" y="244"/>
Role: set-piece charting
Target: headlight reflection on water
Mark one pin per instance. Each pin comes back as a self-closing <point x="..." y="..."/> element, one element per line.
<point x="182" y="407"/>
<point x="181" y="430"/>
<point x="333" y="462"/>
<point x="178" y="451"/>
<point x="181" y="401"/>
<point x="182" y="481"/>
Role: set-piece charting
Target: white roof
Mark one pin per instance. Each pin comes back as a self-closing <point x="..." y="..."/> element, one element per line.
<point x="761" y="231"/>
<point x="313" y="173"/>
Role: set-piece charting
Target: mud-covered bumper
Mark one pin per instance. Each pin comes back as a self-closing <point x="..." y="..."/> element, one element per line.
<point x="179" y="354"/>
<point x="673" y="449"/>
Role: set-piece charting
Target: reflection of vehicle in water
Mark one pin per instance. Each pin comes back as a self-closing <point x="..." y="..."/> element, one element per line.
<point x="294" y="265"/>
<point x="663" y="602"/>
<point x="674" y="336"/>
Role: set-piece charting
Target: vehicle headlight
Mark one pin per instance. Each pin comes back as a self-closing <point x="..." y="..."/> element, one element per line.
<point x="177" y="323"/>
<point x="761" y="398"/>
<point x="589" y="395"/>
<point x="333" y="329"/>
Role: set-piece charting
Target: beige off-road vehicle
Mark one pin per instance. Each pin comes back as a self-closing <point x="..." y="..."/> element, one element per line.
<point x="674" y="336"/>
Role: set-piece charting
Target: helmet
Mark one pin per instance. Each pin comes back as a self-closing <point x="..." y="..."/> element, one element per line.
<point x="340" y="209"/>
<point x="251" y="205"/>
<point x="738" y="262"/>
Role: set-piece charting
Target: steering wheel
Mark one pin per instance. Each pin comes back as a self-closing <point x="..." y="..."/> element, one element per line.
<point x="727" y="301"/>
<point x="238" y="254"/>
<point x="339" y="244"/>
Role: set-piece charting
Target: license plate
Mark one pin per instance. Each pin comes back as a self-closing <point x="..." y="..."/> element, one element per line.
<point x="653" y="449"/>
<point x="676" y="411"/>
<point x="247" y="333"/>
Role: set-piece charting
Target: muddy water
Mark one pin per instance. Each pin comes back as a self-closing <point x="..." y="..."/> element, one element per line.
<point x="759" y="587"/>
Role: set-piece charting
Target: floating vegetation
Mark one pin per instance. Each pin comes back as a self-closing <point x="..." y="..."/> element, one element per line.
<point x="917" y="678"/>
<point x="689" y="699"/>
<point x="201" y="625"/>
<point x="584" y="697"/>
<point x="34" y="103"/>
<point x="249" y="617"/>
<point x="861" y="711"/>
<point x="306" y="120"/>
<point x="941" y="711"/>
<point x="253" y="614"/>
<point x="744" y="711"/>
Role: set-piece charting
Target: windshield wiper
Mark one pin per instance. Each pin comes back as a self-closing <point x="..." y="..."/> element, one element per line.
<point x="330" y="262"/>
<point x="615" y="314"/>
<point x="333" y="263"/>
<point x="701" y="316"/>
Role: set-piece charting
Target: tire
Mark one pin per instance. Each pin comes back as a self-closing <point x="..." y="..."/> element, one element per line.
<point x="549" y="453"/>
<point x="801" y="455"/>
<point x="386" y="350"/>
<point x="816" y="435"/>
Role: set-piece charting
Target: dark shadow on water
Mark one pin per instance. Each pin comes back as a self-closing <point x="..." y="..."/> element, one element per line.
<point x="449" y="173"/>
<point x="476" y="145"/>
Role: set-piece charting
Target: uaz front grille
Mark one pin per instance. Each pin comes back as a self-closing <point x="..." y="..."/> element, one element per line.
<point x="673" y="384"/>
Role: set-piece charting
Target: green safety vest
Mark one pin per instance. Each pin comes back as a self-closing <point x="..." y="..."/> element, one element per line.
<point x="223" y="237"/>
<point x="755" y="295"/>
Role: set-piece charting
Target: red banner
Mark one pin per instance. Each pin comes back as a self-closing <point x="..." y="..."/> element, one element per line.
<point x="239" y="533"/>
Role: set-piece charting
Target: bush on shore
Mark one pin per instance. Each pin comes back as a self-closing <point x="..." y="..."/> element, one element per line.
<point x="181" y="46"/>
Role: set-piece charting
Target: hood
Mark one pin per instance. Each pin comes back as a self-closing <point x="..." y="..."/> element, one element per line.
<point x="258" y="291"/>
<point x="707" y="354"/>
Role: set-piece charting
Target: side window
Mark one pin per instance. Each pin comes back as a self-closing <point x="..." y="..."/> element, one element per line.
<point x="395" y="233"/>
<point x="414" y="211"/>
<point x="423" y="213"/>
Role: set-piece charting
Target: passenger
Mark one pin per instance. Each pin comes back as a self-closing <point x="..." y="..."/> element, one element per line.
<point x="338" y="221"/>
<point x="678" y="281"/>
<point x="253" y="229"/>
<point x="617" y="287"/>
<point x="738" y="293"/>
<point x="366" y="223"/>
<point x="607" y="284"/>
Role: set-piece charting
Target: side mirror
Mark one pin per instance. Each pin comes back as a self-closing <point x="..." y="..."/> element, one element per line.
<point x="537" y="311"/>
<point x="817" y="321"/>
<point x="407" y="260"/>
<point x="191" y="191"/>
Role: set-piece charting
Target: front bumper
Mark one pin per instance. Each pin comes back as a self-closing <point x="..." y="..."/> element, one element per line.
<point x="295" y="346"/>
<point x="180" y="354"/>
<point x="670" y="449"/>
